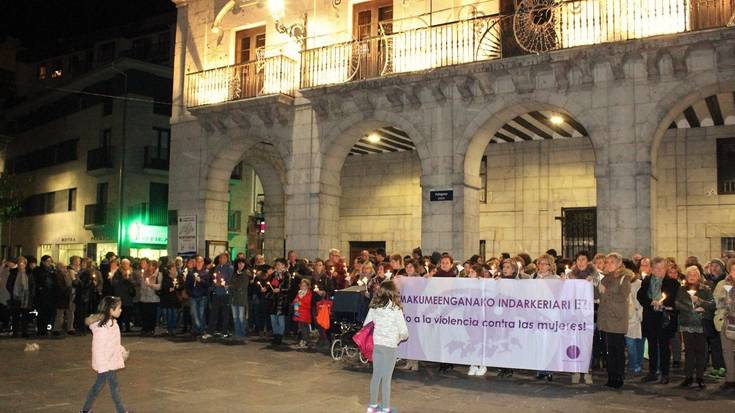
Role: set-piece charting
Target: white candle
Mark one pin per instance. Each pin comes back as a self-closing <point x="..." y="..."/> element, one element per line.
<point x="728" y="288"/>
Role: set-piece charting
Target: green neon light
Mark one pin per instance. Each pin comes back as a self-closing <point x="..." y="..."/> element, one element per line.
<point x="147" y="234"/>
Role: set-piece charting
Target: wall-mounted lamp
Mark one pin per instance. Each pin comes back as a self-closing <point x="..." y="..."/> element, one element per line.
<point x="278" y="11"/>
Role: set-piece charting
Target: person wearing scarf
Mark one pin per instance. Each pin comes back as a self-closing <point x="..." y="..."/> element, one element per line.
<point x="21" y="285"/>
<point x="657" y="295"/>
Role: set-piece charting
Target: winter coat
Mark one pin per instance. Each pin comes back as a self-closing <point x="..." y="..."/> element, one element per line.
<point x="691" y="321"/>
<point x="302" y="307"/>
<point x="723" y="309"/>
<point x="221" y="272"/>
<point x="197" y="289"/>
<point x="238" y="288"/>
<point x="325" y="283"/>
<point x="4" y="293"/>
<point x="107" y="352"/>
<point x="63" y="290"/>
<point x="390" y="325"/>
<point x="148" y="291"/>
<point x="635" y="312"/>
<point x="45" y="283"/>
<point x="278" y="301"/>
<point x="21" y="297"/>
<point x="612" y="316"/>
<point x="653" y="321"/>
<point x="169" y="292"/>
<point x="123" y="287"/>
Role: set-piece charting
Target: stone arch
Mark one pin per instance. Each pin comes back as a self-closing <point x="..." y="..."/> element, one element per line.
<point x="673" y="214"/>
<point x="342" y="136"/>
<point x="526" y="212"/>
<point x="264" y="157"/>
<point x="480" y="130"/>
<point x="681" y="97"/>
<point x="338" y="140"/>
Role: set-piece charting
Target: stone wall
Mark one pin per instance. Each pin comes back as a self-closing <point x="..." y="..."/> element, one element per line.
<point x="381" y="201"/>
<point x="690" y="218"/>
<point x="528" y="185"/>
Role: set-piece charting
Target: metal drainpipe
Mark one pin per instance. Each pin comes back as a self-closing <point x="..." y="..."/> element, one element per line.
<point x="121" y="168"/>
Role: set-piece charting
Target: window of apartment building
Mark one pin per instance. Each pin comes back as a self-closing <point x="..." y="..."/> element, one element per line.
<point x="106" y="52"/>
<point x="161" y="142"/>
<point x="164" y="44"/>
<point x="42" y="71"/>
<point x="107" y="107"/>
<point x="57" y="69"/>
<point x="106" y="138"/>
<point x="483" y="180"/>
<point x="102" y="190"/>
<point x="158" y="199"/>
<point x="726" y="166"/>
<point x="41" y="158"/>
<point x="49" y="202"/>
<point x="141" y="47"/>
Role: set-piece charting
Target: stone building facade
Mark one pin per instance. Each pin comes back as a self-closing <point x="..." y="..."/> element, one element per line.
<point x="625" y="143"/>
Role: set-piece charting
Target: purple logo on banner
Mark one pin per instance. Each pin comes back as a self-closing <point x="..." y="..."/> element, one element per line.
<point x="573" y="352"/>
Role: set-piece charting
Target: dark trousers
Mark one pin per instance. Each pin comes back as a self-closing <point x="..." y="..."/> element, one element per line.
<point x="46" y="315"/>
<point x="185" y="317"/>
<point x="4" y="316"/>
<point x="659" y="353"/>
<point x="615" y="356"/>
<point x="20" y="321"/>
<point x="219" y="314"/>
<point x="696" y="354"/>
<point x="126" y="317"/>
<point x="714" y="344"/>
<point x="148" y="313"/>
<point x="259" y="313"/>
<point x="102" y="378"/>
<point x="599" y="350"/>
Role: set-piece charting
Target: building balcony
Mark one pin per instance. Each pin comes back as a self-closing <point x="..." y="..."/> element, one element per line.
<point x="97" y="215"/>
<point x="267" y="76"/>
<point x="155" y="158"/>
<point x="99" y="160"/>
<point x="413" y="45"/>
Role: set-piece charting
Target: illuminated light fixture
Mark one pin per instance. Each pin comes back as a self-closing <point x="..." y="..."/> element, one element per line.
<point x="373" y="138"/>
<point x="277" y="9"/>
<point x="556" y="120"/>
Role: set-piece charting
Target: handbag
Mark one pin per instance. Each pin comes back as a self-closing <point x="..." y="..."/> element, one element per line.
<point x="323" y="310"/>
<point x="364" y="340"/>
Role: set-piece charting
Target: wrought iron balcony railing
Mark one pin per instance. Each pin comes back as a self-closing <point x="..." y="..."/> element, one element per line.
<point x="267" y="76"/>
<point x="535" y="26"/>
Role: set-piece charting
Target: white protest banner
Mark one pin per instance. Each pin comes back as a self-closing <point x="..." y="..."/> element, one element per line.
<point x="523" y="324"/>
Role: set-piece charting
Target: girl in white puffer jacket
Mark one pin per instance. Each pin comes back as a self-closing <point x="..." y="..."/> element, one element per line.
<point x="390" y="329"/>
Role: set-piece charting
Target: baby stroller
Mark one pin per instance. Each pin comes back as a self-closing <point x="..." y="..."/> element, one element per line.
<point x="348" y="312"/>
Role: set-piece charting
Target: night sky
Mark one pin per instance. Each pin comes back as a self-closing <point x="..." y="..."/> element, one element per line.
<point x="40" y="23"/>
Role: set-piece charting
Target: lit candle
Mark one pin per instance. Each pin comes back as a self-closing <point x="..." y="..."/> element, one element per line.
<point x="316" y="288"/>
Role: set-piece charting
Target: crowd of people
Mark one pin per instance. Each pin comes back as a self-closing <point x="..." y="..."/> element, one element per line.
<point x="639" y="301"/>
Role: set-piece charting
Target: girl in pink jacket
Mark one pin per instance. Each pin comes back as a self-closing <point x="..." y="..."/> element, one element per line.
<point x="108" y="355"/>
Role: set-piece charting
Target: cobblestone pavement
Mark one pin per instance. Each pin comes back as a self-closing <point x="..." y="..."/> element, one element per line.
<point x="176" y="375"/>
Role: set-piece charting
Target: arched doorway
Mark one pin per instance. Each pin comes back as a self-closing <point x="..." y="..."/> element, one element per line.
<point x="370" y="175"/>
<point x="245" y="209"/>
<point x="534" y="169"/>
<point x="694" y="170"/>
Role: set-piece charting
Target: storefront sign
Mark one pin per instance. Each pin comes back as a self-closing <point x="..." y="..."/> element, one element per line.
<point x="187" y="234"/>
<point x="147" y="234"/>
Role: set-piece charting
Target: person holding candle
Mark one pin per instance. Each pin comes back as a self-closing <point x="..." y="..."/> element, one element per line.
<point x="324" y="287"/>
<point x="724" y="296"/>
<point x="612" y="318"/>
<point x="121" y="281"/>
<point x="717" y="273"/>
<point x="197" y="285"/>
<point x="219" y="309"/>
<point x="277" y="296"/>
<point x="150" y="287"/>
<point x="238" y="292"/>
<point x="657" y="296"/>
<point x="693" y="300"/>
<point x="634" y="337"/>
<point x="302" y="310"/>
<point x="168" y="295"/>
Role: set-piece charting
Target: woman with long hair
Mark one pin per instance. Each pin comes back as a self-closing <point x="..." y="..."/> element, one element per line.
<point x="390" y="329"/>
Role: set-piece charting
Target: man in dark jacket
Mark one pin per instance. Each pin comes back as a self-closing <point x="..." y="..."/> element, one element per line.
<point x="657" y="296"/>
<point x="46" y="290"/>
<point x="219" y="314"/>
<point x="198" y="281"/>
<point x="277" y="296"/>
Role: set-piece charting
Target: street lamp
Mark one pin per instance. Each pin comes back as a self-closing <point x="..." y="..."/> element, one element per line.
<point x="278" y="11"/>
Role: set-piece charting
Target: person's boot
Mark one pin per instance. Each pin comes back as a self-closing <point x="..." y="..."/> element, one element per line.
<point x="687" y="382"/>
<point x="700" y="383"/>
